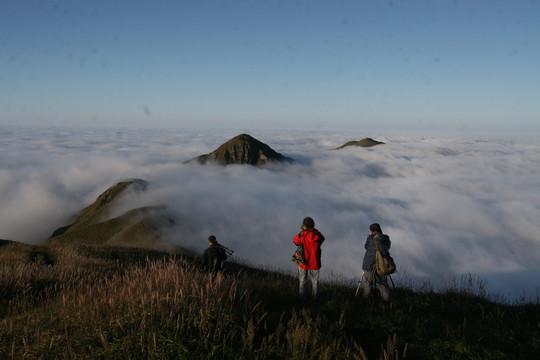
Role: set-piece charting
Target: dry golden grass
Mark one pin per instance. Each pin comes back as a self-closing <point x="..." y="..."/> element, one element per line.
<point x="101" y="302"/>
<point x="90" y="305"/>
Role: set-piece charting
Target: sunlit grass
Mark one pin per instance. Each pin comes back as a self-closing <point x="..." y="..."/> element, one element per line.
<point x="99" y="302"/>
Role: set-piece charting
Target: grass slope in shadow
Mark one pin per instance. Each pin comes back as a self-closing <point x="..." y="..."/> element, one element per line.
<point x="103" y="302"/>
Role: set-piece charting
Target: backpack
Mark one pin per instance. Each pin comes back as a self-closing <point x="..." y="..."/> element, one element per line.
<point x="384" y="265"/>
<point x="298" y="257"/>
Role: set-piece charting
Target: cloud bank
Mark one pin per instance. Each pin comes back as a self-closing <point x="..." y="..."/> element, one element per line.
<point x="451" y="204"/>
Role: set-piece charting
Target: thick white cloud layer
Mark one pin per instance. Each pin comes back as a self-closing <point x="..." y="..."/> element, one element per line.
<point x="451" y="204"/>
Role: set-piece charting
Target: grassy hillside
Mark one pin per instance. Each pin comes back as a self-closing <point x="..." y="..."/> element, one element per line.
<point x="103" y="302"/>
<point x="135" y="228"/>
<point x="96" y="212"/>
<point x="140" y="227"/>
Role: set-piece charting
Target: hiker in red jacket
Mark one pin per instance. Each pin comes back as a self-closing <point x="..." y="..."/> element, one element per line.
<point x="311" y="240"/>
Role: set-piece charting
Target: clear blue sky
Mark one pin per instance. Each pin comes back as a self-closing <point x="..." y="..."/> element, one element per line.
<point x="399" y="65"/>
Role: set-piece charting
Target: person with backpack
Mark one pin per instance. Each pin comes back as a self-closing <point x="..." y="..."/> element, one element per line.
<point x="214" y="256"/>
<point x="370" y="274"/>
<point x="310" y="239"/>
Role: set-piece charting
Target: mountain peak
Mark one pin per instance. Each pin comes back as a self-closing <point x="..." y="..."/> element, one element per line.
<point x="367" y="142"/>
<point x="241" y="149"/>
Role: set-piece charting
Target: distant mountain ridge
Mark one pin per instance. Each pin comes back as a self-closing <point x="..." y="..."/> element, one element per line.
<point x="242" y="149"/>
<point x="366" y="142"/>
<point x="144" y="226"/>
<point x="137" y="227"/>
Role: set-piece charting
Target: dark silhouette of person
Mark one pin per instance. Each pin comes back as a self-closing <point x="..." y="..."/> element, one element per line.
<point x="214" y="256"/>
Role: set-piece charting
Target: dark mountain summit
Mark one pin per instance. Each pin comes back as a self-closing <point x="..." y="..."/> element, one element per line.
<point x="242" y="149"/>
<point x="367" y="142"/>
<point x="136" y="227"/>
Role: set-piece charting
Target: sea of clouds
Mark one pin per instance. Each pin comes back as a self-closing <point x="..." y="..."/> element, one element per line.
<point x="456" y="207"/>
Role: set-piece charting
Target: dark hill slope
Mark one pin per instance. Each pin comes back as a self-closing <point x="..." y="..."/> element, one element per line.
<point x="367" y="142"/>
<point x="242" y="149"/>
<point x="7" y="242"/>
<point x="137" y="227"/>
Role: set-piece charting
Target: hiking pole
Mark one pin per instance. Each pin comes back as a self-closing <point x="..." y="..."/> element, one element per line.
<point x="359" y="283"/>
<point x="392" y="280"/>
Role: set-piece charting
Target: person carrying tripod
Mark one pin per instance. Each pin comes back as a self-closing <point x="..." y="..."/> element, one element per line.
<point x="214" y="256"/>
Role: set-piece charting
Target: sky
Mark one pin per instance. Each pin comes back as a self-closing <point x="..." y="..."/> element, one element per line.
<point x="455" y="207"/>
<point x="465" y="66"/>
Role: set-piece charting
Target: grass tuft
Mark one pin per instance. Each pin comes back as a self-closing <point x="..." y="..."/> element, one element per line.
<point x="41" y="255"/>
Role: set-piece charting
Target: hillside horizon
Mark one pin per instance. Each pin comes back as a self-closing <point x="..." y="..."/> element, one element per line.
<point x="121" y="302"/>
<point x="442" y="200"/>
